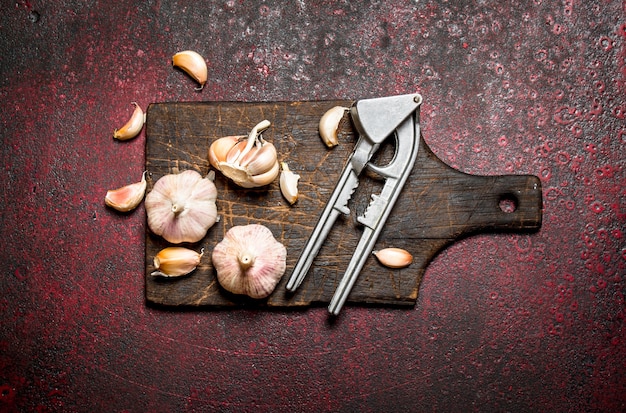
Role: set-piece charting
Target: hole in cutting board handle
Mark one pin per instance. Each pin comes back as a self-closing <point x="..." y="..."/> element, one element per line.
<point x="508" y="203"/>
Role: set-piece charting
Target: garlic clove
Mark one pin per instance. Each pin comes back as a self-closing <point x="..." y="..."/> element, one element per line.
<point x="176" y="261"/>
<point x="193" y="64"/>
<point x="133" y="126"/>
<point x="235" y="152"/>
<point x="181" y="207"/>
<point x="249" y="260"/>
<point x="264" y="178"/>
<point x="127" y="197"/>
<point x="329" y="125"/>
<point x="289" y="183"/>
<point x="220" y="148"/>
<point x="394" y="257"/>
<point x="259" y="161"/>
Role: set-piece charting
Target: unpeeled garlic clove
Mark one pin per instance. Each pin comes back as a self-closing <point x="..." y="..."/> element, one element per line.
<point x="176" y="261"/>
<point x="133" y="126"/>
<point x="250" y="162"/>
<point x="394" y="257"/>
<point x="193" y="64"/>
<point x="221" y="147"/>
<point x="264" y="178"/>
<point x="329" y="125"/>
<point x="260" y="159"/>
<point x="289" y="183"/>
<point x="127" y="197"/>
<point x="249" y="260"/>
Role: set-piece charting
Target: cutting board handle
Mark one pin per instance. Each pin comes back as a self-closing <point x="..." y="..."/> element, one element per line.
<point x="504" y="202"/>
<point x="476" y="203"/>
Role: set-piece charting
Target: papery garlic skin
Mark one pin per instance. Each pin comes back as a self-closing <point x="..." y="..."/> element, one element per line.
<point x="329" y="125"/>
<point x="249" y="162"/>
<point x="133" y="126"/>
<point x="193" y="64"/>
<point x="176" y="261"/>
<point x="249" y="261"/>
<point x="128" y="197"/>
<point x="181" y="207"/>
<point x="289" y="183"/>
<point x="394" y="257"/>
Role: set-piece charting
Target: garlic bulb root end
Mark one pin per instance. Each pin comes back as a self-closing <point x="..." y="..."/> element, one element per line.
<point x="246" y="261"/>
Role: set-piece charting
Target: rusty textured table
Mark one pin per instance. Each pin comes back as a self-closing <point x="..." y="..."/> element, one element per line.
<point x="503" y="322"/>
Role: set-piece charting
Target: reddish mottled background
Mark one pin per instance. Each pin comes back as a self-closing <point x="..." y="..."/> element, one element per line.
<point x="503" y="322"/>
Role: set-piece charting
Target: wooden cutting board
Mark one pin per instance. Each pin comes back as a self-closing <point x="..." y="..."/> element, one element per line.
<point x="437" y="206"/>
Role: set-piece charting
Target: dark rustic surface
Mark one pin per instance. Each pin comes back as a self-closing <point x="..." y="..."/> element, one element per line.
<point x="505" y="322"/>
<point x="437" y="205"/>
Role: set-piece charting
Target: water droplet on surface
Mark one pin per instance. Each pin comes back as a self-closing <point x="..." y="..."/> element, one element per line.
<point x="33" y="16"/>
<point x="606" y="43"/>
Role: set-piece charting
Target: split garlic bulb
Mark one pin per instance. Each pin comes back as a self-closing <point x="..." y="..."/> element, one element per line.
<point x="181" y="207"/>
<point x="250" y="162"/>
<point x="250" y="261"/>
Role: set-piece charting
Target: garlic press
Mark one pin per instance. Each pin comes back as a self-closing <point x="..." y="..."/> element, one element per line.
<point x="375" y="120"/>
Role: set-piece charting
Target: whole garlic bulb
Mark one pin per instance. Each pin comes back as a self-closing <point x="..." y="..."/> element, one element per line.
<point x="250" y="162"/>
<point x="249" y="260"/>
<point x="181" y="207"/>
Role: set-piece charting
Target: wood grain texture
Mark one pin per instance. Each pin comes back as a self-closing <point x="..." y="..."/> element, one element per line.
<point x="437" y="206"/>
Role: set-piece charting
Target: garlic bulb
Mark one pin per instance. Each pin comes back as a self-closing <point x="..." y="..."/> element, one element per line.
<point x="329" y="125"/>
<point x="133" y="126"/>
<point x="176" y="261"/>
<point x="193" y="64"/>
<point x="181" y="207"/>
<point x="127" y="197"/>
<point x="394" y="257"/>
<point x="249" y="260"/>
<point x="250" y="162"/>
<point x="289" y="184"/>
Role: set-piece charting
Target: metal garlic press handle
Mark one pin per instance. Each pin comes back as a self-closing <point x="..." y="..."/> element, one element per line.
<point x="395" y="173"/>
<point x="375" y="120"/>
<point x="337" y="204"/>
